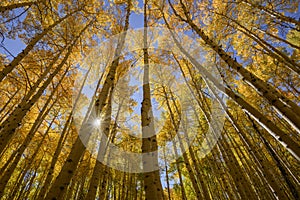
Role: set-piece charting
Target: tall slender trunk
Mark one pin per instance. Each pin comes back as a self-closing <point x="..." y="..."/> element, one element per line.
<point x="18" y="114"/>
<point x="278" y="134"/>
<point x="288" y="109"/>
<point x="16" y="5"/>
<point x="152" y="183"/>
<point x="244" y="191"/>
<point x="7" y="69"/>
<point x="268" y="174"/>
<point x="15" y="119"/>
<point x="167" y="175"/>
<point x="71" y="190"/>
<point x="279" y="38"/>
<point x="59" y="186"/>
<point x="275" y="53"/>
<point x="293" y="188"/>
<point x="99" y="167"/>
<point x="61" y="141"/>
<point x="6" y="105"/>
<point x="183" y="194"/>
<point x="8" y="173"/>
<point x="274" y="13"/>
<point x="186" y="160"/>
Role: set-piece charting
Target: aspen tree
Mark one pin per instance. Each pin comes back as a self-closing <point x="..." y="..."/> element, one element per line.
<point x="58" y="188"/>
<point x="7" y="69"/>
<point x="152" y="183"/>
<point x="288" y="109"/>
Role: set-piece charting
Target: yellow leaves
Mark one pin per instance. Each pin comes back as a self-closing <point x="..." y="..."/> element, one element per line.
<point x="219" y="5"/>
<point x="248" y="93"/>
<point x="48" y="21"/>
<point x="118" y="2"/>
<point x="293" y="37"/>
<point x="263" y="67"/>
<point x="3" y="61"/>
<point x="239" y="40"/>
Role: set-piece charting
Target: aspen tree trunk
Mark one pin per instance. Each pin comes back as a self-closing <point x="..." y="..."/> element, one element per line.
<point x="287" y="108"/>
<point x="19" y="112"/>
<point x="70" y="192"/>
<point x="29" y="187"/>
<point x="135" y="192"/>
<point x="273" y="13"/>
<point x="205" y="192"/>
<point x="191" y="152"/>
<point x="123" y="187"/>
<point x="98" y="171"/>
<point x="152" y="183"/>
<point x="289" y="63"/>
<point x="5" y="179"/>
<point x="218" y="168"/>
<point x="61" y="142"/>
<point x="259" y="182"/>
<point x="8" y="162"/>
<point x="7" y="69"/>
<point x="267" y="173"/>
<point x="39" y="185"/>
<point x="193" y="157"/>
<point x="176" y="126"/>
<point x="186" y="160"/>
<point x="6" y="104"/>
<point x="280" y="39"/>
<point x="59" y="186"/>
<point x="3" y="118"/>
<point x="244" y="191"/>
<point x="8" y="129"/>
<point x="206" y="195"/>
<point x="16" y="5"/>
<point x="58" y="149"/>
<point x="76" y="191"/>
<point x="104" y="183"/>
<point x="237" y="173"/>
<point x="198" y="174"/>
<point x="278" y="134"/>
<point x="38" y="164"/>
<point x="293" y="188"/>
<point x="7" y="175"/>
<point x="106" y="177"/>
<point x="23" y="192"/>
<point x="191" y="173"/>
<point x="221" y="163"/>
<point x="183" y="195"/>
<point x="167" y="175"/>
<point x="18" y="185"/>
<point x="141" y="190"/>
<point x="128" y="188"/>
<point x="80" y="193"/>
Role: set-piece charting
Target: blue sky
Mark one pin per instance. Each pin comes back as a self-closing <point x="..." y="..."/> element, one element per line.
<point x="14" y="46"/>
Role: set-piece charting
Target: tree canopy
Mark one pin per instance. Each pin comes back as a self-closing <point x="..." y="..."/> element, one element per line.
<point x="200" y="102"/>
